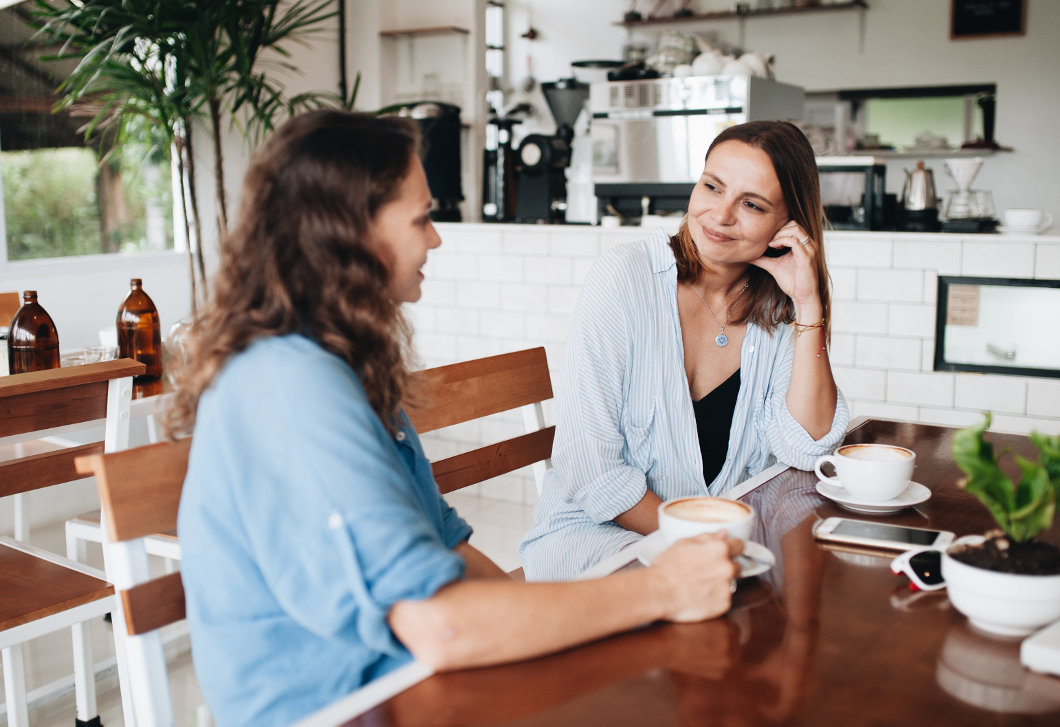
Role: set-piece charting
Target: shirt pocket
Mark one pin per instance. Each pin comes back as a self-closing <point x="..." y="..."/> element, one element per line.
<point x="637" y="429"/>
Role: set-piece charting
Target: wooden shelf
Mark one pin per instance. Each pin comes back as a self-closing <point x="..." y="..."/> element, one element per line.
<point x="437" y="30"/>
<point x="728" y="15"/>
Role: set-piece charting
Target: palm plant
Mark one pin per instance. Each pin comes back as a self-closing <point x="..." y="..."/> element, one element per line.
<point x="158" y="67"/>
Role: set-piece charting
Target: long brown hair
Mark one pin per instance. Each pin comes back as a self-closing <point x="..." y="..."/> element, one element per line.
<point x="765" y="304"/>
<point x="303" y="258"/>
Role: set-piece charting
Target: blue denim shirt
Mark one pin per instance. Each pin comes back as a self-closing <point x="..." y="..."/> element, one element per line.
<point x="302" y="522"/>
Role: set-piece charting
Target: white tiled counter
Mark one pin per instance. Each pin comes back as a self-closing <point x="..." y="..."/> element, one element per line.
<point x="496" y="288"/>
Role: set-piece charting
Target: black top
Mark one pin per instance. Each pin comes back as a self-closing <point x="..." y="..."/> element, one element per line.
<point x="714" y="420"/>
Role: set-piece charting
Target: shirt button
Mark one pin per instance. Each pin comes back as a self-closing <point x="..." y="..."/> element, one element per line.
<point x="400" y="436"/>
<point x="750" y="349"/>
<point x="335" y="521"/>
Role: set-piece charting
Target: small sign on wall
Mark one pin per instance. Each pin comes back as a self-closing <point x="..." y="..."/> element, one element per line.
<point x="988" y="18"/>
<point x="962" y="305"/>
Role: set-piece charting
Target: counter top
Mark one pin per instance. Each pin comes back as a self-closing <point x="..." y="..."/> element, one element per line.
<point x="848" y="234"/>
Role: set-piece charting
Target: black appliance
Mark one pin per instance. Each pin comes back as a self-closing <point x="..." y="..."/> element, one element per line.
<point x="543" y="160"/>
<point x="440" y="129"/>
<point x="853" y="193"/>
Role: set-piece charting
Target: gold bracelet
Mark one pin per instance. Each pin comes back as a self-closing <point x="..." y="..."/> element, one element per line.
<point x="802" y="328"/>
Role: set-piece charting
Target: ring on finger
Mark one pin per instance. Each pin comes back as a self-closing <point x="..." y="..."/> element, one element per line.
<point x="804" y="241"/>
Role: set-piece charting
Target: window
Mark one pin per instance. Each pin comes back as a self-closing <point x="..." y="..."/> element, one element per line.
<point x="58" y="199"/>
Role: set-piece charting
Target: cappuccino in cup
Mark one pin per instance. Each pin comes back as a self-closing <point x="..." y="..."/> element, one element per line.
<point x="691" y="516"/>
<point x="872" y="472"/>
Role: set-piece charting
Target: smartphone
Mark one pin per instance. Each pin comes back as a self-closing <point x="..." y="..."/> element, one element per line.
<point x="878" y="535"/>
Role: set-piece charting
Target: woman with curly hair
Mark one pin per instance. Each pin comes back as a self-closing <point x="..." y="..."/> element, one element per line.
<point x="318" y="553"/>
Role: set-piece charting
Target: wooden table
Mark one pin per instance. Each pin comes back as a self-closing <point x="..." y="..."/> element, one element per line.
<point x="825" y="638"/>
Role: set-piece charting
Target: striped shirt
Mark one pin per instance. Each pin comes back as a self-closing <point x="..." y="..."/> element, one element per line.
<point x="625" y="421"/>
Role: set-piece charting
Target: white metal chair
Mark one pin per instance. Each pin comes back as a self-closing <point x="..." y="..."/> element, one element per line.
<point x="41" y="592"/>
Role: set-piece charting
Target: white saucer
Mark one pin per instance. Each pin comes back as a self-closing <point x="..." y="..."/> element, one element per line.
<point x="913" y="495"/>
<point x="1004" y="230"/>
<point x="761" y="558"/>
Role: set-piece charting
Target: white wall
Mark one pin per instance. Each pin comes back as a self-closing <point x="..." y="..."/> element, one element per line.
<point x="905" y="43"/>
<point x="493" y="289"/>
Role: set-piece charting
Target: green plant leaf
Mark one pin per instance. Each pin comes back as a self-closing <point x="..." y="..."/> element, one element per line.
<point x="1022" y="511"/>
<point x="1036" y="502"/>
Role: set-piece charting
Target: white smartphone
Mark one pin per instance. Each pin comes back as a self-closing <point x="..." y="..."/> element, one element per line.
<point x="869" y="534"/>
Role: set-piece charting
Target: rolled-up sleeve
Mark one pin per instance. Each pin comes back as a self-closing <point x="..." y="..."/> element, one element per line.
<point x="789" y="440"/>
<point x="597" y="436"/>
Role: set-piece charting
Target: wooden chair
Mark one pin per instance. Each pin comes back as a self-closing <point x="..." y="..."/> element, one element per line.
<point x="9" y="305"/>
<point x="139" y="490"/>
<point x="41" y="592"/>
<point x="471" y="390"/>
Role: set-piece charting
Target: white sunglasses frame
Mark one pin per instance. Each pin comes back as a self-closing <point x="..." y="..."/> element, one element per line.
<point x="901" y="566"/>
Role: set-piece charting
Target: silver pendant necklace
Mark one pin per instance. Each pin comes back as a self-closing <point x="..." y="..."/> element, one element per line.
<point x="721" y="339"/>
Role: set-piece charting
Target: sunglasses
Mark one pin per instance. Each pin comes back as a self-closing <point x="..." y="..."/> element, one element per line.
<point x="922" y="567"/>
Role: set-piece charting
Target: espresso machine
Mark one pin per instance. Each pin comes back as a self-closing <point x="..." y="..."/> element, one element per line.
<point x="543" y="160"/>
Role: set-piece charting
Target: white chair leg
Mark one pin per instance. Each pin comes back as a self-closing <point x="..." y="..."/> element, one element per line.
<point x="84" y="662"/>
<point x="15" y="687"/>
<point x="170" y="565"/>
<point x="152" y="429"/>
<point x="21" y="501"/>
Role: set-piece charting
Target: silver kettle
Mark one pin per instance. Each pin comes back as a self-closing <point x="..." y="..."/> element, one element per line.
<point x="918" y="193"/>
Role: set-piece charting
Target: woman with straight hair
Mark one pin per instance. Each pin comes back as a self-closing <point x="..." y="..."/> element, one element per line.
<point x="318" y="554"/>
<point x="697" y="361"/>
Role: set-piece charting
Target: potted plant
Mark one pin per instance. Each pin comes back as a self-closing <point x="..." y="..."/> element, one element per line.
<point x="1006" y="581"/>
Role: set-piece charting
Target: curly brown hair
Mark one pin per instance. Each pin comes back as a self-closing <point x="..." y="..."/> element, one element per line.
<point x="303" y="258"/>
<point x="765" y="304"/>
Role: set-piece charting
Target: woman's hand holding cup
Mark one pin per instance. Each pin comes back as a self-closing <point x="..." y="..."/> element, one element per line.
<point x="694" y="576"/>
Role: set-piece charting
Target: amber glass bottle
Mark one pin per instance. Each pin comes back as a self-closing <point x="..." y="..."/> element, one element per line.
<point x="139" y="332"/>
<point x="33" y="342"/>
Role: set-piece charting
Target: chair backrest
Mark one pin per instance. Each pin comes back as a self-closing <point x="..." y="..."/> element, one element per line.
<point x="9" y="305"/>
<point x="48" y="403"/>
<point x="139" y="490"/>
<point x="471" y="390"/>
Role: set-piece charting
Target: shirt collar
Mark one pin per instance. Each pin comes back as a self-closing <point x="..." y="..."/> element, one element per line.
<point x="659" y="253"/>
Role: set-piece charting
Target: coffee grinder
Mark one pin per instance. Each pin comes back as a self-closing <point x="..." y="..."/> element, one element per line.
<point x="543" y="160"/>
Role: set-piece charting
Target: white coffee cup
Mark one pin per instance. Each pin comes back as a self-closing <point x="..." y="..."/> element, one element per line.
<point x="1027" y="218"/>
<point x="873" y="472"/>
<point x="688" y="517"/>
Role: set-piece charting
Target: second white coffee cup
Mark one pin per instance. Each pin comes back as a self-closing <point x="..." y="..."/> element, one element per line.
<point x="873" y="472"/>
<point x="688" y="517"/>
<point x="1027" y="218"/>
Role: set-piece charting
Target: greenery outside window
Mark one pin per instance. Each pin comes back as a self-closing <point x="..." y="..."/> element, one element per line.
<point x="58" y="199"/>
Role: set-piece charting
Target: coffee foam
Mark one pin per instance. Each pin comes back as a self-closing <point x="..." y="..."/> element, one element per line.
<point x="707" y="510"/>
<point x="874" y="453"/>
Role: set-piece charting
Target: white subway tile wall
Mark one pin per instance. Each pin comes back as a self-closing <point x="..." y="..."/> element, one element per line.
<point x="499" y="288"/>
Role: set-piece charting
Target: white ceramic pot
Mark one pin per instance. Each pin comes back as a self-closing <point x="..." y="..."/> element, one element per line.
<point x="1001" y="603"/>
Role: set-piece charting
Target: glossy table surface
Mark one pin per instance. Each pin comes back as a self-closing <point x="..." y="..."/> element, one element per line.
<point x="824" y="638"/>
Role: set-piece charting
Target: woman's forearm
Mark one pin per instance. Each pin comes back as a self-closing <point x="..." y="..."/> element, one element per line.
<point x="812" y="393"/>
<point x="477" y="623"/>
<point x="643" y="517"/>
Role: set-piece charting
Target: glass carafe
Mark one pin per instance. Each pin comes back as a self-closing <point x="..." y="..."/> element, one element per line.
<point x="33" y="342"/>
<point x="139" y="331"/>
